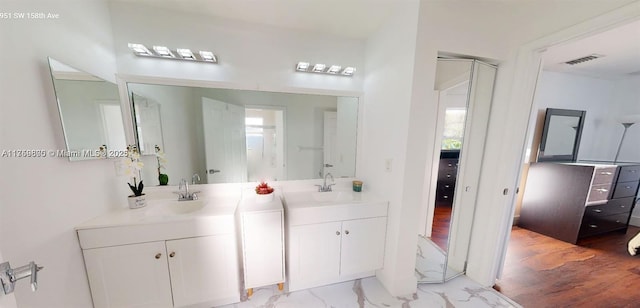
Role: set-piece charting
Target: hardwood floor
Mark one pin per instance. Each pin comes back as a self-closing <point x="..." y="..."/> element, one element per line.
<point x="440" y="229"/>
<point x="544" y="272"/>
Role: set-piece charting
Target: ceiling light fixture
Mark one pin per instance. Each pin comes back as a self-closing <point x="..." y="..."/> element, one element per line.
<point x="348" y="71"/>
<point x="208" y="56"/>
<point x="302" y="66"/>
<point x="334" y="69"/>
<point x="186" y="53"/>
<point x="321" y="68"/>
<point x="140" y="50"/>
<point x="177" y="54"/>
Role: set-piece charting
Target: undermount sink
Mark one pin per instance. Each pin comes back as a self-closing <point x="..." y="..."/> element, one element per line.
<point x="174" y="207"/>
<point x="332" y="196"/>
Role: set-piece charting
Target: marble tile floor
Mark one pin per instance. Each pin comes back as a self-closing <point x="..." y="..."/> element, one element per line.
<point x="430" y="261"/>
<point x="368" y="292"/>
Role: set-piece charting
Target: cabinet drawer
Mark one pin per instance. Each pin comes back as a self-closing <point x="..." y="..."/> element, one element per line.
<point x="599" y="192"/>
<point x="614" y="206"/>
<point x="604" y="175"/>
<point x="629" y="174"/>
<point x="593" y="225"/>
<point x="626" y="189"/>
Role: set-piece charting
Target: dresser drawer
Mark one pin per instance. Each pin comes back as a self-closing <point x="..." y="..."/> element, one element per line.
<point x="625" y="189"/>
<point x="629" y="174"/>
<point x="593" y="225"/>
<point x="614" y="206"/>
<point x="599" y="192"/>
<point x="604" y="175"/>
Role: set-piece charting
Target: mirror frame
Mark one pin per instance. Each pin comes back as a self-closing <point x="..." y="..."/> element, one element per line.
<point x="128" y="116"/>
<point x="550" y="112"/>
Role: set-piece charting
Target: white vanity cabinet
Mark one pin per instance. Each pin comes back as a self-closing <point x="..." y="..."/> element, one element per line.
<point x="330" y="243"/>
<point x="186" y="262"/>
<point x="262" y="234"/>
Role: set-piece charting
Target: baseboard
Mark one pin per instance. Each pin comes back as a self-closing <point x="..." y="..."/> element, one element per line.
<point x="634" y="221"/>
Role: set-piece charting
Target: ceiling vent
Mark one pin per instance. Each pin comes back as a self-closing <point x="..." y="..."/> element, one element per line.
<point x="584" y="59"/>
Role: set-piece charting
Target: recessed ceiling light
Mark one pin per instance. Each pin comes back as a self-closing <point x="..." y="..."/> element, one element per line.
<point x="186" y="53"/>
<point x="163" y="51"/>
<point x="319" y="68"/>
<point x="140" y="49"/>
<point x="208" y="56"/>
<point x="334" y="69"/>
<point x="302" y="66"/>
<point x="348" y="71"/>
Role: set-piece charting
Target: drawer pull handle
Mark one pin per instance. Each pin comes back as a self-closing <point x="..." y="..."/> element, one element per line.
<point x="617" y="221"/>
<point x="627" y="187"/>
<point x="158" y="255"/>
<point x="598" y="211"/>
<point x="593" y="226"/>
<point x="445" y="197"/>
<point x="606" y="173"/>
<point x="632" y="171"/>
<point x="337" y="232"/>
<point x="450" y="165"/>
<point x="446" y="186"/>
<point x="172" y="254"/>
<point x="448" y="175"/>
<point x="623" y="206"/>
<point x="346" y="232"/>
<point x="602" y="190"/>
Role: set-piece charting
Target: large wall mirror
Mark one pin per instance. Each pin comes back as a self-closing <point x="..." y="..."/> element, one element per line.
<point x="212" y="135"/>
<point x="90" y="112"/>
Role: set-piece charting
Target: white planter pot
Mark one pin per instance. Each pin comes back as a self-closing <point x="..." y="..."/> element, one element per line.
<point x="264" y="198"/>
<point x="136" y="202"/>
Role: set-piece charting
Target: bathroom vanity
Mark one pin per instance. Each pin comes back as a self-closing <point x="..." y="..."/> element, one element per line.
<point x="167" y="254"/>
<point x="193" y="253"/>
<point x="333" y="237"/>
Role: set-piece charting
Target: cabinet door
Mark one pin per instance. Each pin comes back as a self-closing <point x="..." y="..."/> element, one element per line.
<point x="314" y="254"/>
<point x="362" y="245"/>
<point x="129" y="276"/>
<point x="204" y="270"/>
<point x="263" y="248"/>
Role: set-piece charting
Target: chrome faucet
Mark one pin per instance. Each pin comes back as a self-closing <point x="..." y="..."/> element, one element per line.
<point x="195" y="178"/>
<point x="184" y="194"/>
<point x="324" y="187"/>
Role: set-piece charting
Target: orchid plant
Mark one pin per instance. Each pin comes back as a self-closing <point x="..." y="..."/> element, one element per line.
<point x="163" y="178"/>
<point x="133" y="166"/>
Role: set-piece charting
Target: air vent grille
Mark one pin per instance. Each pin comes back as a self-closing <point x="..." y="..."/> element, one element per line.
<point x="584" y="59"/>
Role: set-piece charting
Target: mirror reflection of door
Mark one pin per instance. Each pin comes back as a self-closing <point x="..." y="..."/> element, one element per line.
<point x="224" y="138"/>
<point x="265" y="144"/>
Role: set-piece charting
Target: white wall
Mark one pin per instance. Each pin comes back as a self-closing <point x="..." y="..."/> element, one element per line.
<point x="604" y="101"/>
<point x="385" y="129"/>
<point x="42" y="199"/>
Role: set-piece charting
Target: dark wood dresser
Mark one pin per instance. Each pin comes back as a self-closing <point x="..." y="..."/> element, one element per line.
<point x="569" y="201"/>
<point x="447" y="173"/>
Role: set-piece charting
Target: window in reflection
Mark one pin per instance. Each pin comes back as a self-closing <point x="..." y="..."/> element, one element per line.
<point x="265" y="148"/>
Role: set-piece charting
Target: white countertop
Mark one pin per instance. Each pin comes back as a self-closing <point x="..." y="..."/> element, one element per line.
<point x="215" y="206"/>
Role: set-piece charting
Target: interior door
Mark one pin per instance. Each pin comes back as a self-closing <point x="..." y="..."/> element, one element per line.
<point x="225" y="143"/>
<point x="330" y="147"/>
